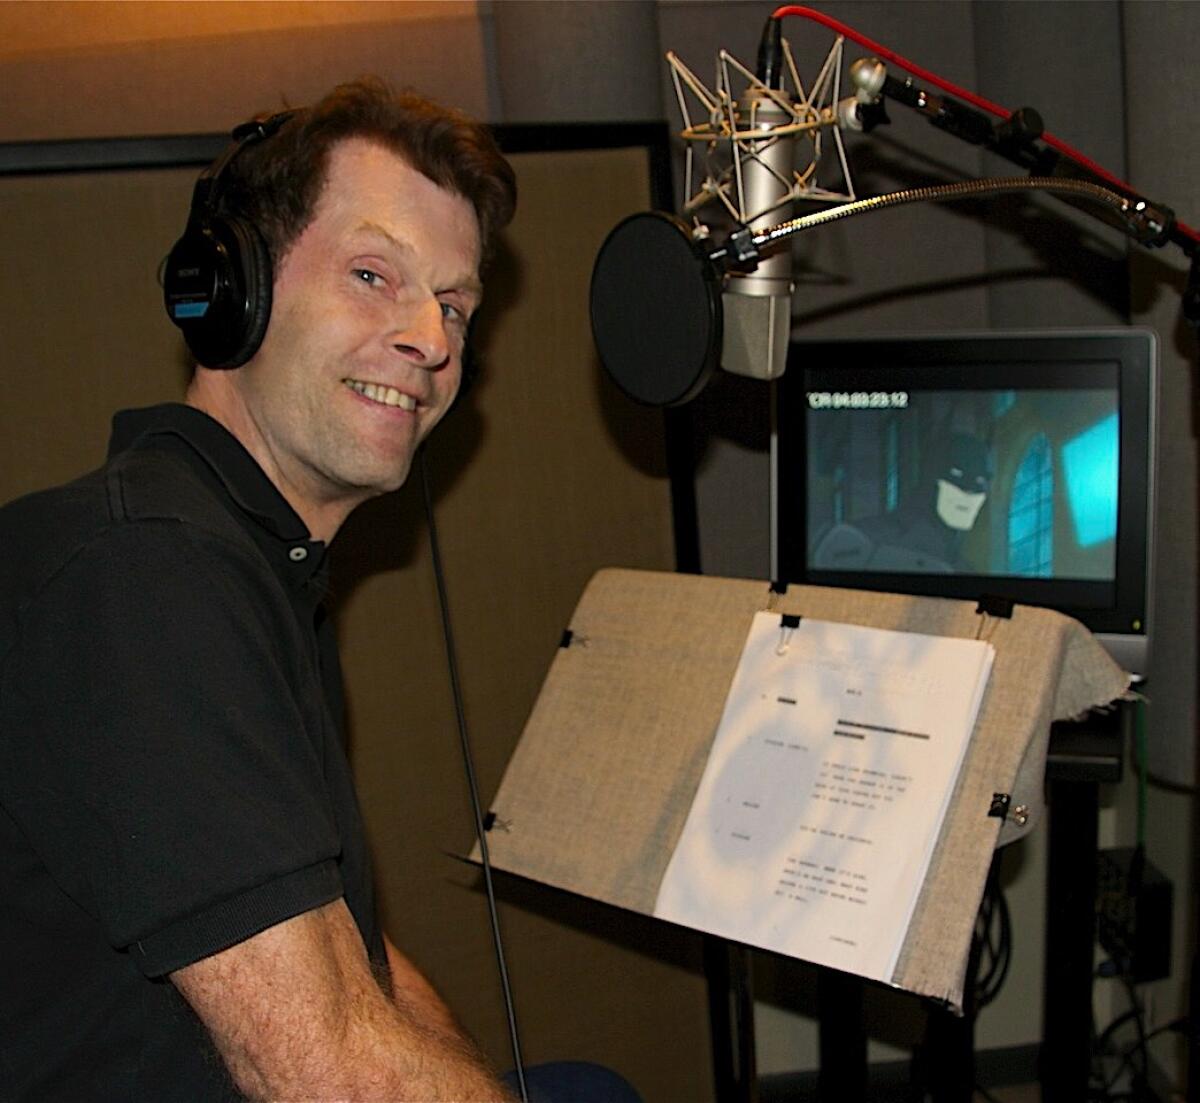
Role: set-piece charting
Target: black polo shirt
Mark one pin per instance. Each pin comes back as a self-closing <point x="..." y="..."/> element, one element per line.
<point x="172" y="773"/>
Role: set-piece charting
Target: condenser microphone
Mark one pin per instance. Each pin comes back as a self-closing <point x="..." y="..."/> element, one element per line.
<point x="669" y="304"/>
<point x="758" y="304"/>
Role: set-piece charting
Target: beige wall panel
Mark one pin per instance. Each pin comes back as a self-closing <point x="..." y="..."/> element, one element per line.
<point x="81" y="314"/>
<point x="542" y="475"/>
<point x="210" y="82"/>
<point x="56" y="25"/>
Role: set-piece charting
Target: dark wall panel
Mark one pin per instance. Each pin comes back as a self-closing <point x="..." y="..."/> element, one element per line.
<point x="1165" y="160"/>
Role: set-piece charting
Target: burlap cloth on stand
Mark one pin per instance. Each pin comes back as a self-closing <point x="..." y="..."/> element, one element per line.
<point x="597" y="791"/>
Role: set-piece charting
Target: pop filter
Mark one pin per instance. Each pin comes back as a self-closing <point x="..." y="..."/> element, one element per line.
<point x="656" y="309"/>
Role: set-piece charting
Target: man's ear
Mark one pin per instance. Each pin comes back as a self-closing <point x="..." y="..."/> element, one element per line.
<point x="470" y="365"/>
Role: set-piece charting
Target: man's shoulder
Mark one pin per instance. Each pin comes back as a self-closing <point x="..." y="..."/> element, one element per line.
<point x="40" y="530"/>
<point x="139" y="491"/>
<point x="139" y="484"/>
<point x="155" y="484"/>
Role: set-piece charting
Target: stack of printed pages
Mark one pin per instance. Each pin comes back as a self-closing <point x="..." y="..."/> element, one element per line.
<point x="825" y="790"/>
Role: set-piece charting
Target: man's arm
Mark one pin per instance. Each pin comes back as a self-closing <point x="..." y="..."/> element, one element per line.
<point x="410" y="989"/>
<point x="297" y="1014"/>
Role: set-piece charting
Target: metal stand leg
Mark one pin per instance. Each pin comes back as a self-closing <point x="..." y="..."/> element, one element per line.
<point x="843" y="1038"/>
<point x="1070" y="942"/>
<point x="950" y="1046"/>
<point x="731" y="1016"/>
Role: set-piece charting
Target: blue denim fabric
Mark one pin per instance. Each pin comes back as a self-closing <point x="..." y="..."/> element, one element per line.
<point x="574" y="1082"/>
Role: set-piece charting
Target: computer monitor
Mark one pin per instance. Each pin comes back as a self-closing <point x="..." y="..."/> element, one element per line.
<point x="1010" y="465"/>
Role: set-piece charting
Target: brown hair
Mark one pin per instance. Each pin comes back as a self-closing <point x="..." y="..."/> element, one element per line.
<point x="275" y="184"/>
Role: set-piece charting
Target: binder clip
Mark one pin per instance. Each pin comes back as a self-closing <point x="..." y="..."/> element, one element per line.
<point x="993" y="605"/>
<point x="788" y="623"/>
<point x="492" y="820"/>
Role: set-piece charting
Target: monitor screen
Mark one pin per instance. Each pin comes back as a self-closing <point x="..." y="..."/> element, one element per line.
<point x="1009" y="465"/>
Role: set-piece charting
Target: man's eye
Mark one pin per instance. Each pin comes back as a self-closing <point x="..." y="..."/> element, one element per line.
<point x="449" y="310"/>
<point x="368" y="277"/>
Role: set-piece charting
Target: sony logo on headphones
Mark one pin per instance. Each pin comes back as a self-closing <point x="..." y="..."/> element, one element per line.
<point x="184" y="272"/>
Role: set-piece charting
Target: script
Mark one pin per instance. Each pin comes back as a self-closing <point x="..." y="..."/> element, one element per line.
<point x="826" y="785"/>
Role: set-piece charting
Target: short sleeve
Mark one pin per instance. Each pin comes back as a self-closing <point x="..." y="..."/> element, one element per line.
<point x="166" y="743"/>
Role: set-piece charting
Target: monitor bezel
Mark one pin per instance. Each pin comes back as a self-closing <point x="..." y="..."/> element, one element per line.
<point x="1118" y="612"/>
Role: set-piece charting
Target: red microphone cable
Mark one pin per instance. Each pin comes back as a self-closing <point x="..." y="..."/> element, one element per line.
<point x="970" y="97"/>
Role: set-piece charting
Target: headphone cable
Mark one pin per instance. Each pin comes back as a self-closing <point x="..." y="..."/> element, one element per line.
<point x="469" y="765"/>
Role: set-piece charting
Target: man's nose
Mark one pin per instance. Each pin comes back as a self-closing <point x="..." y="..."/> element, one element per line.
<point x="422" y="336"/>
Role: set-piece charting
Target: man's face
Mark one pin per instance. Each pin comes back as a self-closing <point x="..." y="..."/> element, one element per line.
<point x="363" y="354"/>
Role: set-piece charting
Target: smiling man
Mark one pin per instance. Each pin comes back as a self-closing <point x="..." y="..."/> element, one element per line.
<point x="186" y="905"/>
<point x="363" y="355"/>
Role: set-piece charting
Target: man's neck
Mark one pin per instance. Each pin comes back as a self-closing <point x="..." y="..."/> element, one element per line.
<point x="322" y="518"/>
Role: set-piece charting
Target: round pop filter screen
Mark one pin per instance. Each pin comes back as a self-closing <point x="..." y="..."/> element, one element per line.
<point x="656" y="309"/>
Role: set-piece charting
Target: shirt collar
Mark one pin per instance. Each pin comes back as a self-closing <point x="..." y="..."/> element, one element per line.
<point x="268" y="515"/>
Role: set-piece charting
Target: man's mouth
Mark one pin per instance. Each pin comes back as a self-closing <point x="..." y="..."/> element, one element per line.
<point x="385" y="396"/>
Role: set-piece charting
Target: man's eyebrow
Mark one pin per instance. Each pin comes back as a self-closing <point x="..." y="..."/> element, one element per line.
<point x="373" y="229"/>
<point x="471" y="285"/>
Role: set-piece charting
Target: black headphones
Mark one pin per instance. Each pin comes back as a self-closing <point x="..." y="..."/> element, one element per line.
<point x="217" y="280"/>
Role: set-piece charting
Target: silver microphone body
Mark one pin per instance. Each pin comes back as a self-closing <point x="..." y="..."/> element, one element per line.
<point x="757" y="306"/>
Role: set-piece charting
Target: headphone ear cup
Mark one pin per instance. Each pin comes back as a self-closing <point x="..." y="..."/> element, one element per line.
<point x="217" y="290"/>
<point x="257" y="283"/>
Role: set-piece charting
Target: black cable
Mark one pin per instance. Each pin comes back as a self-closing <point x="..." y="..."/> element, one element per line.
<point x="991" y="939"/>
<point x="469" y="764"/>
<point x="993" y="928"/>
<point x="1135" y="1014"/>
<point x="1142" y="1043"/>
<point x="1106" y="1035"/>
<point x="1140" y="1020"/>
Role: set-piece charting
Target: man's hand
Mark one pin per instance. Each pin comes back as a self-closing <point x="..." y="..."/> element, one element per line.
<point x="297" y="1015"/>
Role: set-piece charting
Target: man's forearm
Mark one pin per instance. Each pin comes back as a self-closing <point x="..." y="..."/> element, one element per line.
<point x="297" y="1015"/>
<point x="389" y="1062"/>
<point x="411" y="990"/>
<point x="407" y="1055"/>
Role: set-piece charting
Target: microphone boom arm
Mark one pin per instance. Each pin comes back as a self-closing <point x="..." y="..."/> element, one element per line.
<point x="1016" y="139"/>
<point x="1148" y="224"/>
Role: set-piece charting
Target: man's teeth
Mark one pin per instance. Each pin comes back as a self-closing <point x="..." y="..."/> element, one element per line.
<point x="385" y="396"/>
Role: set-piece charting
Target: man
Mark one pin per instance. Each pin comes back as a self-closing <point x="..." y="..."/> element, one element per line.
<point x="185" y="897"/>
